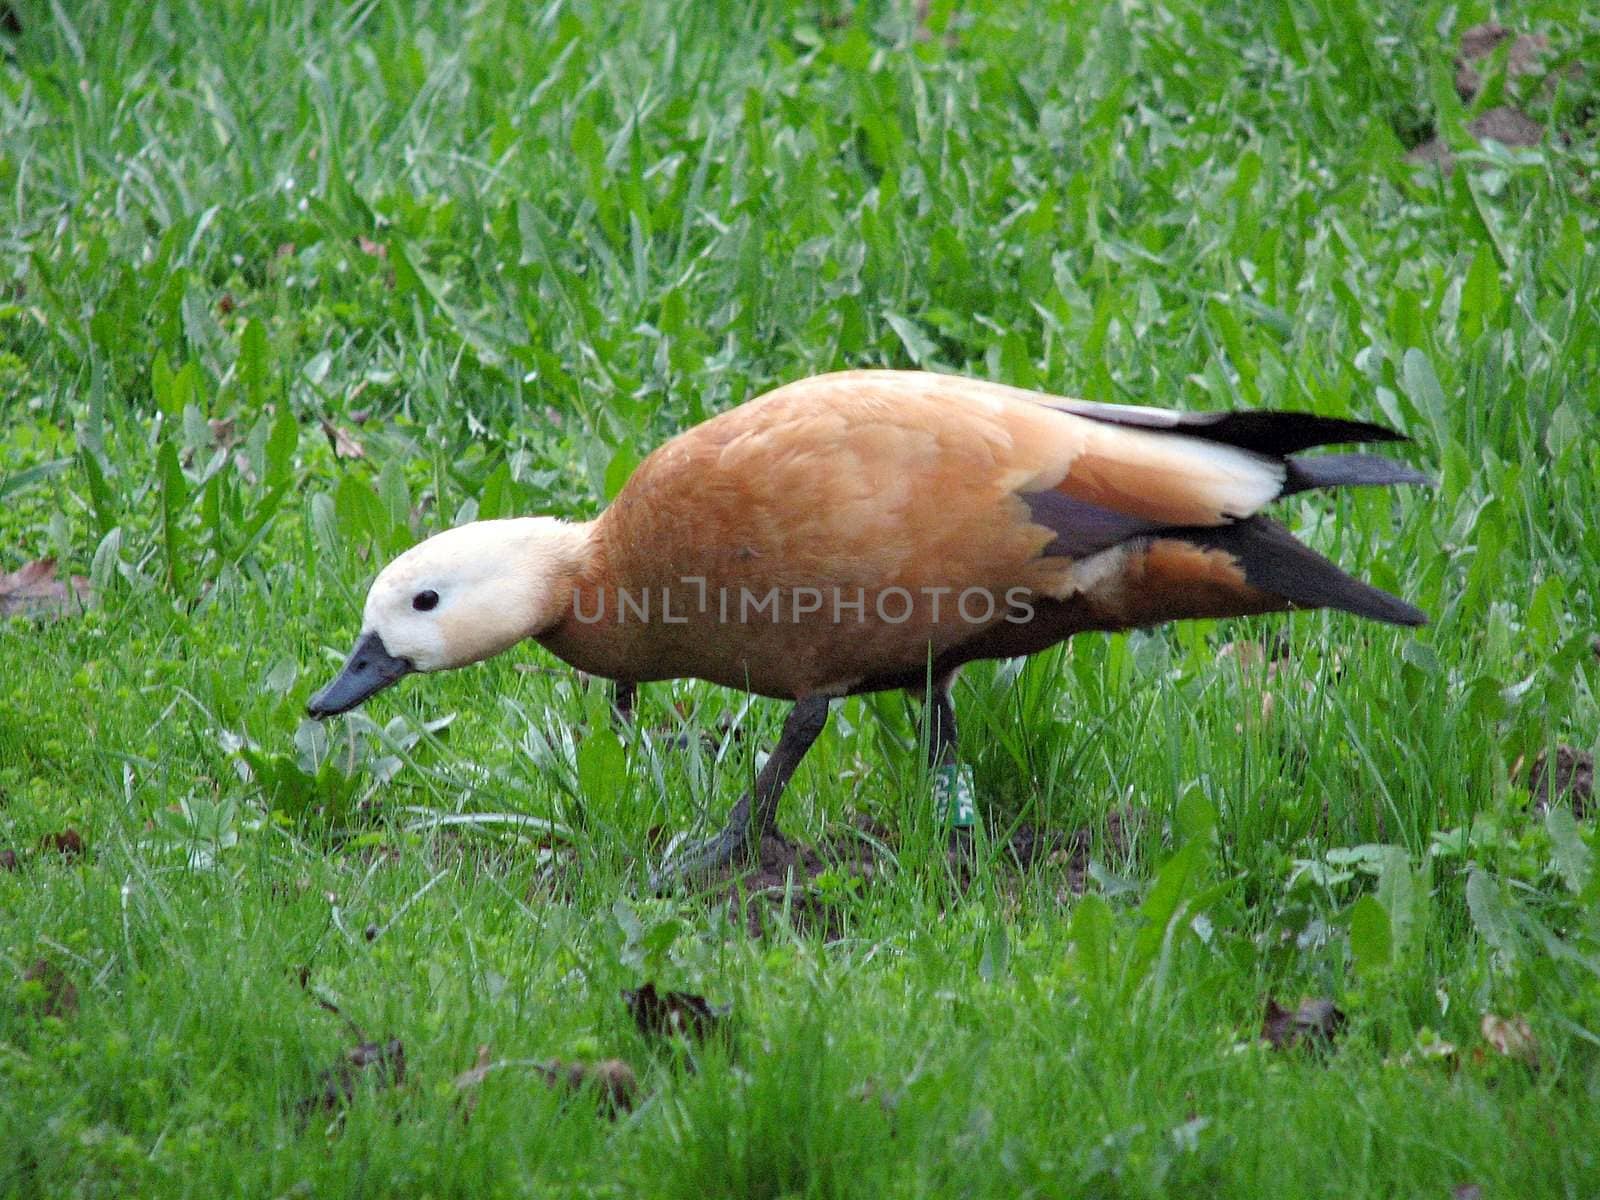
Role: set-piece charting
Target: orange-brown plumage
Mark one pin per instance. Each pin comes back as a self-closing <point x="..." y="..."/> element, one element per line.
<point x="872" y="481"/>
<point x="762" y="549"/>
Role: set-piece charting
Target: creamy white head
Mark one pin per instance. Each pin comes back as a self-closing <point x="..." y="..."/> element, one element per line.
<point x="459" y="597"/>
<point x="470" y="592"/>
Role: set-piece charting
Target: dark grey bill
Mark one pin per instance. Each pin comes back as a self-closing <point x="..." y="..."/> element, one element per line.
<point x="369" y="669"/>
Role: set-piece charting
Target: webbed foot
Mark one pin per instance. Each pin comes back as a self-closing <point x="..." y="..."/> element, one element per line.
<point x="733" y="846"/>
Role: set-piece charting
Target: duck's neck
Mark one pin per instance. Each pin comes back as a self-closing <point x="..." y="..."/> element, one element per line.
<point x="588" y="634"/>
<point x="551" y="557"/>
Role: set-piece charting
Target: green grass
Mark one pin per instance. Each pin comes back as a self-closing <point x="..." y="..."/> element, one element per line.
<point x="511" y="246"/>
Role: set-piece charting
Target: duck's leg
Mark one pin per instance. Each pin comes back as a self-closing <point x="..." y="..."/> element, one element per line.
<point x="623" y="694"/>
<point x="756" y="814"/>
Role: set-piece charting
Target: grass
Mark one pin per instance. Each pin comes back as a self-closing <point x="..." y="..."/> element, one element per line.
<point x="507" y="248"/>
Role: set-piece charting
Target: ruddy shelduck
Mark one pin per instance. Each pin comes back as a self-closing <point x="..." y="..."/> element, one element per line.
<point x="879" y="529"/>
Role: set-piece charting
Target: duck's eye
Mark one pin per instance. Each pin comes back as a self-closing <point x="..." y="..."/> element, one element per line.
<point x="425" y="601"/>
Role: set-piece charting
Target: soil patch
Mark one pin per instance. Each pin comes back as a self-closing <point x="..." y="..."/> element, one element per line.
<point x="1568" y="776"/>
<point x="783" y="883"/>
<point x="1505" y="123"/>
<point x="1478" y="43"/>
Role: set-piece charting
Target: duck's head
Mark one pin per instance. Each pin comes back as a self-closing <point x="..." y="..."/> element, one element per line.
<point x="459" y="597"/>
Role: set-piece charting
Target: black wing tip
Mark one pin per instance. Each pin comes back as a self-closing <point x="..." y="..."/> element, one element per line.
<point x="1279" y="431"/>
<point x="1348" y="429"/>
<point x="1274" y="431"/>
<point x="1366" y="431"/>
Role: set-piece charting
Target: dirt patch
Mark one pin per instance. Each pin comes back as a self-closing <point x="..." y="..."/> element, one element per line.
<point x="1524" y="58"/>
<point x="1070" y="854"/>
<point x="1508" y="126"/>
<point x="783" y="883"/>
<point x="53" y="994"/>
<point x="1505" y="123"/>
<point x="1568" y="777"/>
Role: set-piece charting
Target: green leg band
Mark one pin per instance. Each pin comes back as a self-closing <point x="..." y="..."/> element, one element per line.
<point x="953" y="801"/>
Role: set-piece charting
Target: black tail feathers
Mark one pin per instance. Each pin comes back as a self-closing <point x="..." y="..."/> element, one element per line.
<point x="1279" y="433"/>
<point x="1347" y="470"/>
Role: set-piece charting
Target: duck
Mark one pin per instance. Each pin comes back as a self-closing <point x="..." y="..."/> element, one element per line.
<point x="867" y="530"/>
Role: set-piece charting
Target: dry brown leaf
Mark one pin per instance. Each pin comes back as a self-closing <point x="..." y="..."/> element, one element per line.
<point x="1512" y="1037"/>
<point x="68" y="843"/>
<point x="924" y="31"/>
<point x="8" y="861"/>
<point x="616" y="1086"/>
<point x="34" y="591"/>
<point x="469" y="1080"/>
<point x="223" y="432"/>
<point x="1315" y="1023"/>
<point x="337" y="1086"/>
<point x="344" y="446"/>
<point x="673" y="1014"/>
